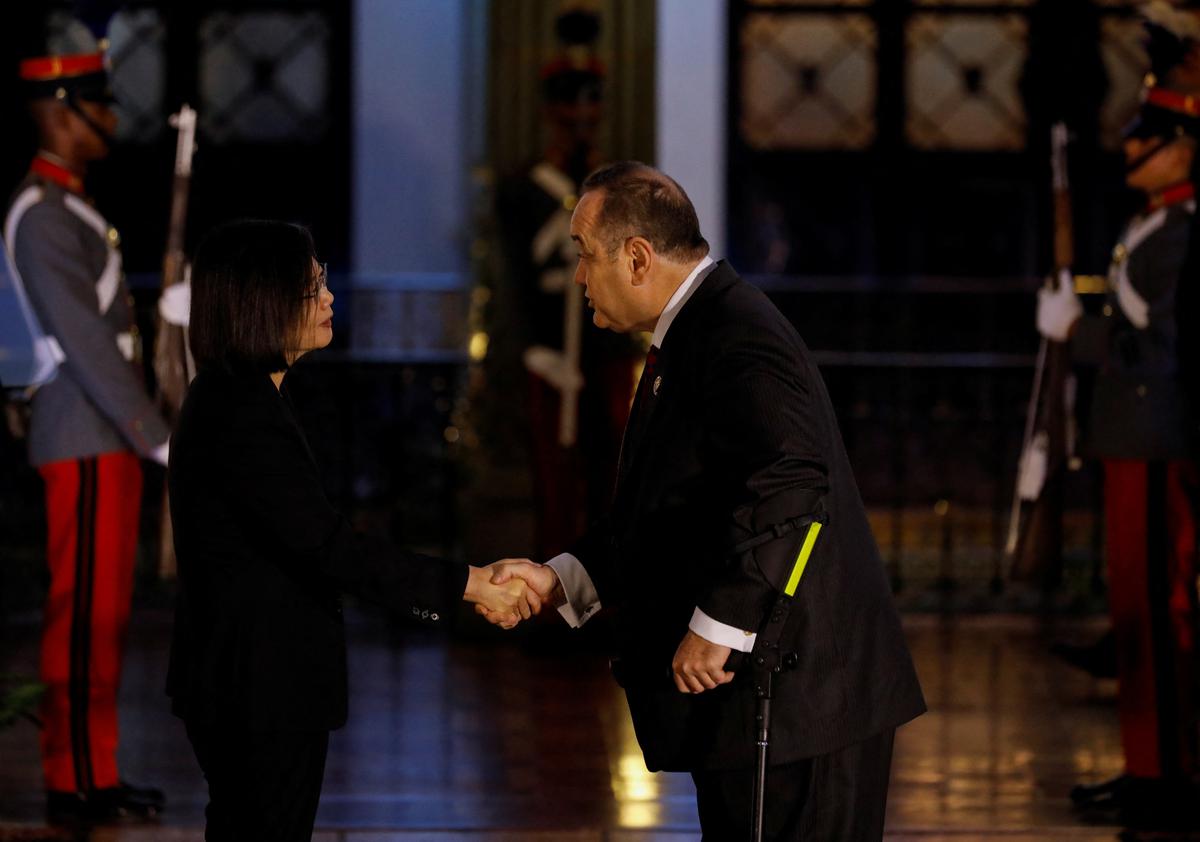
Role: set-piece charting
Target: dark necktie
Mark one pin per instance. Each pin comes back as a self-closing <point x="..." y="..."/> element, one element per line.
<point x="637" y="415"/>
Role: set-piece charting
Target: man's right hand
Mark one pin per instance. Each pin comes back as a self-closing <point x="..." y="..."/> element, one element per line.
<point x="540" y="579"/>
<point x="505" y="603"/>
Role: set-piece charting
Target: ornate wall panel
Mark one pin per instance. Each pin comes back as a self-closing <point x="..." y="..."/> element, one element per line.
<point x="137" y="55"/>
<point x="1125" y="63"/>
<point x="859" y="245"/>
<point x="808" y="81"/>
<point x="264" y="76"/>
<point x="963" y="75"/>
<point x="65" y="34"/>
<point x="137" y="64"/>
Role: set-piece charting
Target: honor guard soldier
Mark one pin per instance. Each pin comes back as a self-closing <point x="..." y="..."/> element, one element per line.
<point x="573" y="481"/>
<point x="89" y="427"/>
<point x="1174" y="82"/>
<point x="1137" y="427"/>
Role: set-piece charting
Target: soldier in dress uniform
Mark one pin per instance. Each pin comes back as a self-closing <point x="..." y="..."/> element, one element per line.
<point x="1138" y="429"/>
<point x="1171" y="83"/>
<point x="89" y="428"/>
<point x="574" y="484"/>
<point x="1174" y="82"/>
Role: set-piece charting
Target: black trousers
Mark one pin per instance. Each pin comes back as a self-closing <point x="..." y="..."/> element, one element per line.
<point x="261" y="786"/>
<point x="838" y="797"/>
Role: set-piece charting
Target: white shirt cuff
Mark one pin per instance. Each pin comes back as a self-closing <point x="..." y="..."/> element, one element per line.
<point x="582" y="600"/>
<point x="716" y="632"/>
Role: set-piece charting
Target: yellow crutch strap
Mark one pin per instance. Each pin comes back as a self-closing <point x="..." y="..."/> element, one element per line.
<point x="806" y="549"/>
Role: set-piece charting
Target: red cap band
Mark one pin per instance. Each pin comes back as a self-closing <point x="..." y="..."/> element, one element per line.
<point x="566" y="65"/>
<point x="49" y="68"/>
<point x="1174" y="101"/>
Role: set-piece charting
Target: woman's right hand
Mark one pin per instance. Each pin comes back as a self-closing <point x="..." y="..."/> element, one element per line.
<point x="506" y="604"/>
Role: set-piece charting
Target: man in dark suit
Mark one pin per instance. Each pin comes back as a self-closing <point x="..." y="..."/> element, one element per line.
<point x="731" y="447"/>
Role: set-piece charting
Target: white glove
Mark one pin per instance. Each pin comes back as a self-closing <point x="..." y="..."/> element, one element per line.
<point x="160" y="453"/>
<point x="175" y="304"/>
<point x="1057" y="310"/>
<point x="553" y="367"/>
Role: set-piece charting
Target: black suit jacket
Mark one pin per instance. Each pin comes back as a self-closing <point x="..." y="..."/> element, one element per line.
<point x="741" y="434"/>
<point x="263" y="558"/>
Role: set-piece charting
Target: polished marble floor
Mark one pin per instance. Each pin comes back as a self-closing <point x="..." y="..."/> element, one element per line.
<point x="486" y="737"/>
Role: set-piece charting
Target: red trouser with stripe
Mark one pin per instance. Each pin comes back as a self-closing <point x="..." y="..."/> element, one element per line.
<point x="92" y="516"/>
<point x="1151" y="573"/>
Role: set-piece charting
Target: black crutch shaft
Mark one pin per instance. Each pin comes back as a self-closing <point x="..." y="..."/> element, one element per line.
<point x="763" y="721"/>
<point x="760" y="779"/>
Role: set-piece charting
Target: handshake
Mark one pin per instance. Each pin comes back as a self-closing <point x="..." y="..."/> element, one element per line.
<point x="512" y="590"/>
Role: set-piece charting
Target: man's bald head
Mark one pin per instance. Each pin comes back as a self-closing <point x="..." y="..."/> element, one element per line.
<point x="640" y="201"/>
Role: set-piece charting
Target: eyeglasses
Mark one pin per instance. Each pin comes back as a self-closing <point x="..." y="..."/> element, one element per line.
<point x="322" y="281"/>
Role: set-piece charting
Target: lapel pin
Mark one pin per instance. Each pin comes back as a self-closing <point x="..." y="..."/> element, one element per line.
<point x="657" y="383"/>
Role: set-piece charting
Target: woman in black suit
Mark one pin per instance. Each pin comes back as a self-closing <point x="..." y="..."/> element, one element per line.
<point x="258" y="656"/>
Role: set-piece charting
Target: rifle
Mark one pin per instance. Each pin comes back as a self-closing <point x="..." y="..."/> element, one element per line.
<point x="174" y="367"/>
<point x="560" y="368"/>
<point x="1034" y="545"/>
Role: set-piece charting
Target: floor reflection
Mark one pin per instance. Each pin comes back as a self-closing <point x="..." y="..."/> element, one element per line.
<point x="635" y="789"/>
<point x="527" y="734"/>
<point x="1009" y="730"/>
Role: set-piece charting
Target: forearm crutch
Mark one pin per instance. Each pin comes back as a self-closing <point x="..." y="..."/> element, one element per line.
<point x="766" y="660"/>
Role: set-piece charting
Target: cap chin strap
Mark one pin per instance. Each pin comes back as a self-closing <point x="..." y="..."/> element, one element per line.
<point x="72" y="102"/>
<point x="1137" y="163"/>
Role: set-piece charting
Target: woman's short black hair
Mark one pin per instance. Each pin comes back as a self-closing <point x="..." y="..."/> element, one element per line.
<point x="250" y="280"/>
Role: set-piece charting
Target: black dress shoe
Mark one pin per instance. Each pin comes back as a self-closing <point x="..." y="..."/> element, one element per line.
<point x="124" y="801"/>
<point x="1098" y="659"/>
<point x="129" y="800"/>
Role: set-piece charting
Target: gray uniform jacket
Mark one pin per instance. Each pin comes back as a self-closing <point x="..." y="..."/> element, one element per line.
<point x="1137" y="409"/>
<point x="68" y="260"/>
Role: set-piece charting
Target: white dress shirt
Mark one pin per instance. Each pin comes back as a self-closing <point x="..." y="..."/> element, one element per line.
<point x="582" y="600"/>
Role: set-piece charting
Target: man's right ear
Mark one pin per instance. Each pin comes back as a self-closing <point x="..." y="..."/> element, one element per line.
<point x="641" y="258"/>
